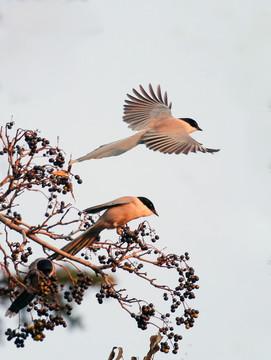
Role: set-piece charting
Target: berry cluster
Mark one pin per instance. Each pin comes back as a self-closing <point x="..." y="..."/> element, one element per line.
<point x="137" y="236"/>
<point x="16" y="250"/>
<point x="133" y="252"/>
<point x="5" y="291"/>
<point x="184" y="291"/>
<point x="107" y="291"/>
<point x="23" y="174"/>
<point x="47" y="286"/>
<point x="32" y="140"/>
<point x="50" y="308"/>
<point x="36" y="330"/>
<point x="164" y="347"/>
<point x="143" y="318"/>
<point x="172" y="338"/>
<point x="76" y="292"/>
<point x="9" y="126"/>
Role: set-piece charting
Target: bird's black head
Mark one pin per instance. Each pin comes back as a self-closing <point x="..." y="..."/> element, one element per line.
<point x="45" y="266"/>
<point x="148" y="203"/>
<point x="191" y="122"/>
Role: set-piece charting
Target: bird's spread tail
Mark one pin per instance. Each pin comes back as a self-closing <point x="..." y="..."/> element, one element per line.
<point x="112" y="149"/>
<point x="84" y="240"/>
<point x="19" y="303"/>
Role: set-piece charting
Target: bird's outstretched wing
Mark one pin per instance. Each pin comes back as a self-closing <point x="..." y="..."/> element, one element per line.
<point x="169" y="143"/>
<point x="98" y="208"/>
<point x="139" y="111"/>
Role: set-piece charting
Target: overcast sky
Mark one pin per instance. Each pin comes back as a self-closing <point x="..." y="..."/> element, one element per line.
<point x="66" y="67"/>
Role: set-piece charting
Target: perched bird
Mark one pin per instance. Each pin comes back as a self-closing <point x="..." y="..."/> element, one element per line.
<point x="118" y="212"/>
<point x="150" y="114"/>
<point x="37" y="270"/>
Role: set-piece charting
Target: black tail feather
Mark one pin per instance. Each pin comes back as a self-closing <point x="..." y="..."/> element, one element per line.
<point x="73" y="247"/>
<point x="21" y="301"/>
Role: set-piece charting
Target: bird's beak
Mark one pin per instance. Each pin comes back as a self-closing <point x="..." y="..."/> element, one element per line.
<point x="199" y="128"/>
<point x="155" y="212"/>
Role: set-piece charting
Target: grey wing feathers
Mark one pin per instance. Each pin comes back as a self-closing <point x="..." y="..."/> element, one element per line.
<point x="98" y="208"/>
<point x="169" y="143"/>
<point x="139" y="111"/>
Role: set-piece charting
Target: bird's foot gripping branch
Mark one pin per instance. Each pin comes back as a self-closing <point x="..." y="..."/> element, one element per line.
<point x="35" y="217"/>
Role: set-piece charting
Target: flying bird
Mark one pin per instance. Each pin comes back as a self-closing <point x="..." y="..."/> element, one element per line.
<point x="150" y="114"/>
<point x="118" y="213"/>
<point x="37" y="270"/>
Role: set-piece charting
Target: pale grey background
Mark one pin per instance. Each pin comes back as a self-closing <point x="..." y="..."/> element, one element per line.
<point x="65" y="69"/>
